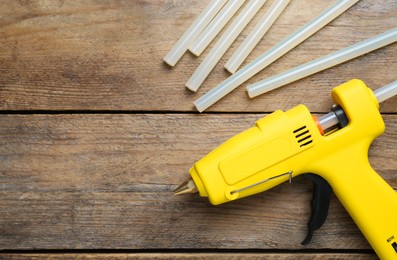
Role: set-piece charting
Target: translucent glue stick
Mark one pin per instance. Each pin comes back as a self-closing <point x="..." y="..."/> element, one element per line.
<point x="272" y="54"/>
<point x="181" y="46"/>
<point x="322" y="63"/>
<point x="216" y="25"/>
<point x="386" y="92"/>
<point x="224" y="43"/>
<point x="256" y="35"/>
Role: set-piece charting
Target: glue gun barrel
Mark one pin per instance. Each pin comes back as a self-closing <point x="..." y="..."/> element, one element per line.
<point x="330" y="121"/>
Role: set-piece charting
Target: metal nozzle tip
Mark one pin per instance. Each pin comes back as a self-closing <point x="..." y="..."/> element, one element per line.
<point x="186" y="187"/>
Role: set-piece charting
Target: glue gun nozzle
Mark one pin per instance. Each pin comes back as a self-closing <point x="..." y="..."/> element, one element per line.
<point x="186" y="187"/>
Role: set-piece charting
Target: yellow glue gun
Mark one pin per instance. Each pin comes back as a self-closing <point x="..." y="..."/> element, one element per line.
<point x="333" y="149"/>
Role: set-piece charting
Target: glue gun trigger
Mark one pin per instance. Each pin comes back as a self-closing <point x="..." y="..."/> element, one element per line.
<point x="322" y="192"/>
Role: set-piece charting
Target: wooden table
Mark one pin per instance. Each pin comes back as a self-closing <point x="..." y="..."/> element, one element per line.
<point x="96" y="132"/>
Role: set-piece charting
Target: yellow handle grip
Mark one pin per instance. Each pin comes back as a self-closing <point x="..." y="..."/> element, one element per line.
<point x="369" y="200"/>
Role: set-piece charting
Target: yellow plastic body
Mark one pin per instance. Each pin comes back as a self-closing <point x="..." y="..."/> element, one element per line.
<point x="290" y="141"/>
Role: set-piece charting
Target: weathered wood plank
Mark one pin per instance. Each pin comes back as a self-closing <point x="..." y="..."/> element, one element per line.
<point x="106" y="181"/>
<point x="107" y="55"/>
<point x="194" y="256"/>
<point x="116" y="149"/>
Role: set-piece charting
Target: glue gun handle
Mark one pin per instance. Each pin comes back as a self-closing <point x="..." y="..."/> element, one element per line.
<point x="370" y="200"/>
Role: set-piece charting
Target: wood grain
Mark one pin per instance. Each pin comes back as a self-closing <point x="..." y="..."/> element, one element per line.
<point x="107" y="55"/>
<point x="106" y="181"/>
<point x="194" y="256"/>
<point x="96" y="131"/>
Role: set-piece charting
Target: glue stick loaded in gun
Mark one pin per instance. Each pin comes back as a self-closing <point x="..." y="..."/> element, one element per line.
<point x="331" y="150"/>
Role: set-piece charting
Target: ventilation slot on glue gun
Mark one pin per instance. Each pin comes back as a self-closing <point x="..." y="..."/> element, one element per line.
<point x="303" y="136"/>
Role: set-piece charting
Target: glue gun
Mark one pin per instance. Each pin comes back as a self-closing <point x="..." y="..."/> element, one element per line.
<point x="331" y="150"/>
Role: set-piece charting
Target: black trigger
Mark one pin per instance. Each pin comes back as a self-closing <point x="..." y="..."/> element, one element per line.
<point x="322" y="192"/>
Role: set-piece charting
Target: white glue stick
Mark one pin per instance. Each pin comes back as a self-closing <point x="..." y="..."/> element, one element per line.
<point x="322" y="63"/>
<point x="386" y="92"/>
<point x="216" y="25"/>
<point x="256" y="35"/>
<point x="272" y="54"/>
<point x="181" y="46"/>
<point x="224" y="43"/>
